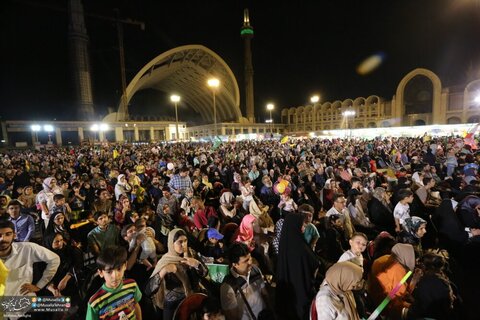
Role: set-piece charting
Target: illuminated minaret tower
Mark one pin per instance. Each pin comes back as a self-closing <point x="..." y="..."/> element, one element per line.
<point x="247" y="35"/>
<point x="80" y="60"/>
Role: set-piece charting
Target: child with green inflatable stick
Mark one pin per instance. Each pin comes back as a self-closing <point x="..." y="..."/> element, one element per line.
<point x="390" y="296"/>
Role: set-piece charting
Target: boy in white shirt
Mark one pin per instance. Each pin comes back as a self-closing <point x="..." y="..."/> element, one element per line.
<point x="402" y="209"/>
<point x="358" y="244"/>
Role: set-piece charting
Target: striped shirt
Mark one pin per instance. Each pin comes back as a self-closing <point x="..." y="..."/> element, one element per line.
<point x="114" y="304"/>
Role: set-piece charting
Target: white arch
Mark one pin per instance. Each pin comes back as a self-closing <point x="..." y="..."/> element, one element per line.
<point x="185" y="70"/>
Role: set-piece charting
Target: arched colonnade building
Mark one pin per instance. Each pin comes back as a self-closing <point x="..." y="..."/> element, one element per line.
<point x="420" y="99"/>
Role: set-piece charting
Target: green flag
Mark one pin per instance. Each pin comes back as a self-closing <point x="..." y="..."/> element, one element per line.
<point x="217" y="271"/>
<point x="216" y="143"/>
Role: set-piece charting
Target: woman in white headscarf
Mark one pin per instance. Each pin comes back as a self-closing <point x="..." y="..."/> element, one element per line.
<point x="122" y="187"/>
<point x="45" y="197"/>
<point x="227" y="209"/>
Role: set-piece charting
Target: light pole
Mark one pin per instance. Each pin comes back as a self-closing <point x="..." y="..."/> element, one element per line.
<point x="35" y="128"/>
<point x="214" y="83"/>
<point x="102" y="128"/>
<point x="48" y="128"/>
<point x="176" y="99"/>
<point x="270" y="107"/>
<point x="95" y="127"/>
<point x="314" y="99"/>
<point x="346" y="114"/>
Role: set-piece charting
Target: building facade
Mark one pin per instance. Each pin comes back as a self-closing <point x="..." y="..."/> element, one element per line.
<point x="420" y="99"/>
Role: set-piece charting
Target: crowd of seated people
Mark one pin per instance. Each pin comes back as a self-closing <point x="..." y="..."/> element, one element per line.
<point x="310" y="228"/>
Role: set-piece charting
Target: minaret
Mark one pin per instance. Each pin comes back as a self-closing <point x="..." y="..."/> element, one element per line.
<point x="80" y="60"/>
<point x="247" y="35"/>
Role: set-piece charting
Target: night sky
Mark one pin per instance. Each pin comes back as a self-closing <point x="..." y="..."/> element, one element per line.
<point x="300" y="48"/>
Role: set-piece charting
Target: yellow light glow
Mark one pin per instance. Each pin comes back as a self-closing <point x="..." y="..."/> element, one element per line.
<point x="370" y="64"/>
<point x="213" y="83"/>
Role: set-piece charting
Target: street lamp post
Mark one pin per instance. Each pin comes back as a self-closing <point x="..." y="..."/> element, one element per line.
<point x="176" y="99"/>
<point x="95" y="127"/>
<point x="346" y="114"/>
<point x="270" y="107"/>
<point x="214" y="83"/>
<point x="48" y="128"/>
<point x="314" y="99"/>
<point x="35" y="128"/>
<point x="102" y="128"/>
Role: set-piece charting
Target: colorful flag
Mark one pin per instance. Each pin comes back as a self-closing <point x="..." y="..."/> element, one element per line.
<point x="216" y="143"/>
<point x="470" y="137"/>
<point x="115" y="154"/>
<point x="284" y="139"/>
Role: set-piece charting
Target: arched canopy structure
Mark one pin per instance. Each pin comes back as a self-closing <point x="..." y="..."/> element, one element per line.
<point x="185" y="70"/>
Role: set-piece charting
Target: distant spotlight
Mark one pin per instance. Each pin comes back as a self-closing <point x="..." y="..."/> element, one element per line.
<point x="48" y="128"/>
<point x="104" y="127"/>
<point x="370" y="64"/>
<point x="348" y="113"/>
<point x="477" y="99"/>
<point x="175" y="98"/>
<point x="94" y="127"/>
<point x="35" y="127"/>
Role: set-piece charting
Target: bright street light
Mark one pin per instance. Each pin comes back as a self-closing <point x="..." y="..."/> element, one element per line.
<point x="94" y="127"/>
<point x="270" y="107"/>
<point x="346" y="114"/>
<point x="102" y="127"/>
<point x="35" y="128"/>
<point x="48" y="128"/>
<point x="314" y="99"/>
<point x="176" y="99"/>
<point x="214" y="83"/>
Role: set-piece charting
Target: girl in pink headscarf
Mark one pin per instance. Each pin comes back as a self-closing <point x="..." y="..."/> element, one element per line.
<point x="245" y="231"/>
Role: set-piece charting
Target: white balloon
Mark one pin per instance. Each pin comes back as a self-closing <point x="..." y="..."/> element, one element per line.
<point x="170" y="166"/>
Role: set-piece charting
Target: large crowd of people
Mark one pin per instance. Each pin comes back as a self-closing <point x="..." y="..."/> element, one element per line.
<point x="290" y="229"/>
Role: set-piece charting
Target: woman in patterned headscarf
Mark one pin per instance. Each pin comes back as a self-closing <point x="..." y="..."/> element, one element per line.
<point x="414" y="230"/>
